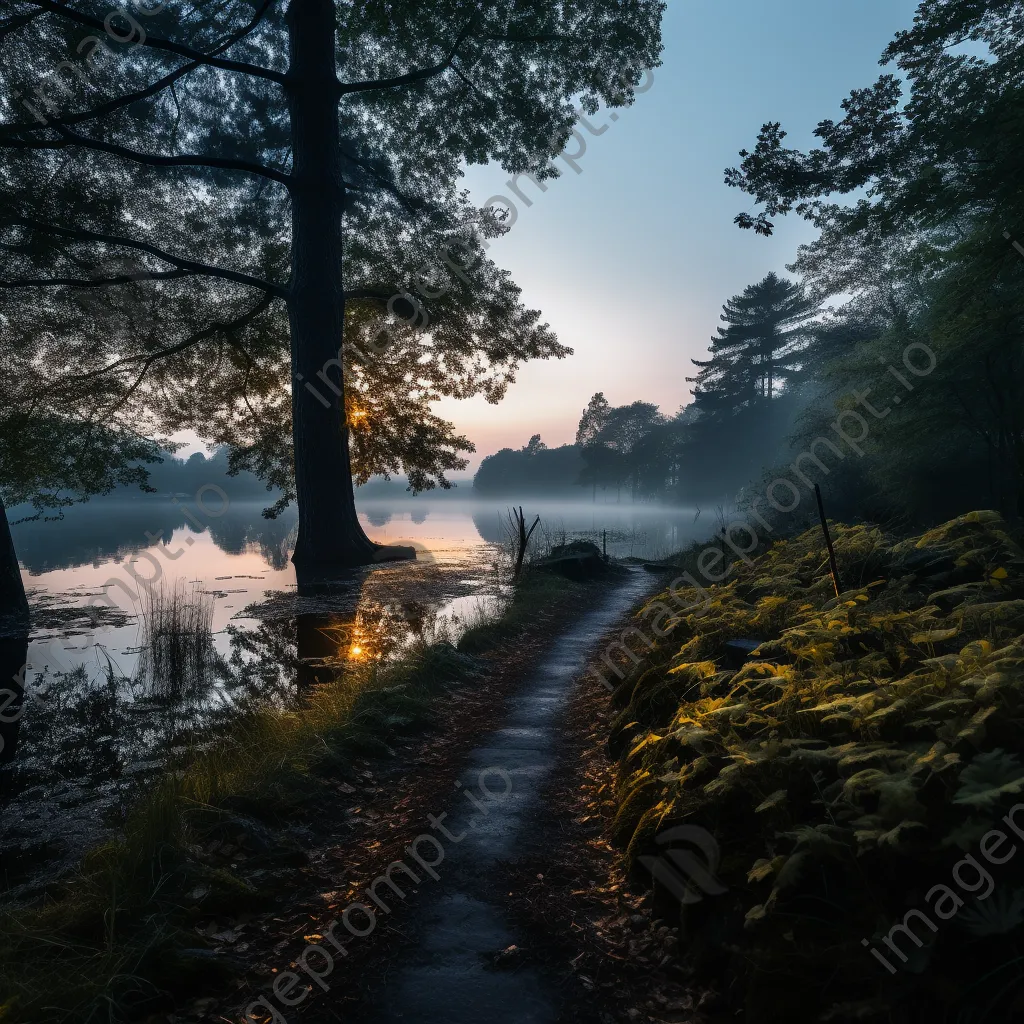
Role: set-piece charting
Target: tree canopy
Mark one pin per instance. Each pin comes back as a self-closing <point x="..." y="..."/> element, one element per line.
<point x="198" y="205"/>
<point x="923" y="263"/>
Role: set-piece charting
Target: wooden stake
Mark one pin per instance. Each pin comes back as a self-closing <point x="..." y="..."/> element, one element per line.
<point x="828" y="540"/>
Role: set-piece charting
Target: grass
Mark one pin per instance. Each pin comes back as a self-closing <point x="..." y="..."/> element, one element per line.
<point x="177" y="638"/>
<point x="111" y="940"/>
<point x="863" y="750"/>
<point x="535" y="591"/>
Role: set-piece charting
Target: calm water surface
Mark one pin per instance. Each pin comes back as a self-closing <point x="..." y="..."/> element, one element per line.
<point x="122" y="683"/>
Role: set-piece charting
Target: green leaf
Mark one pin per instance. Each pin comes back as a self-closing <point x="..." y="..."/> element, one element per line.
<point x="988" y="778"/>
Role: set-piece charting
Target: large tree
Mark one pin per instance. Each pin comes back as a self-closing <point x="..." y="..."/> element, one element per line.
<point x="928" y="244"/>
<point x="200" y="213"/>
<point x="759" y="347"/>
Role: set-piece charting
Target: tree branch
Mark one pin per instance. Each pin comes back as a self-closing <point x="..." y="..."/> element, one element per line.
<point x="166" y="44"/>
<point x="151" y="90"/>
<point x="412" y="204"/>
<point x="207" y="332"/>
<point x="413" y="76"/>
<point x="73" y="282"/>
<point x="202" y="269"/>
<point x="250" y="365"/>
<point x="13" y="130"/>
<point x="74" y="139"/>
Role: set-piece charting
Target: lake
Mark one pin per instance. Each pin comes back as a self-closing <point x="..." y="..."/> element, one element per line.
<point x="116" y="584"/>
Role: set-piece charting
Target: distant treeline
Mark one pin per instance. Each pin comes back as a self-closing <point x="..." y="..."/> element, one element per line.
<point x="533" y="471"/>
<point x="186" y="476"/>
<point x="636" y="453"/>
<point x="902" y="403"/>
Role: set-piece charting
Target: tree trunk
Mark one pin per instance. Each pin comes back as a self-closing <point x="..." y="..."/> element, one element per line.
<point x="329" y="536"/>
<point x="13" y="659"/>
<point x="14" y="625"/>
<point x="13" y="603"/>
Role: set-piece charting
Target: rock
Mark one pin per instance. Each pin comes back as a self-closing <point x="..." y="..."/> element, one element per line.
<point x="576" y="547"/>
<point x="510" y="957"/>
<point x="237" y="831"/>
<point x="579" y="560"/>
<point x="738" y="651"/>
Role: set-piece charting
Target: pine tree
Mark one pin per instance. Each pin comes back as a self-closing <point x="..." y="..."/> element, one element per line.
<point x="759" y="348"/>
<point x="736" y="417"/>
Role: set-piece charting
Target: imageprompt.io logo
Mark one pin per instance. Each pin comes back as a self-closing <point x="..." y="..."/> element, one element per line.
<point x="683" y="870"/>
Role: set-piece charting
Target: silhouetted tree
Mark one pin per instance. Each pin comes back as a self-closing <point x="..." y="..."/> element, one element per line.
<point x="617" y="452"/>
<point x="201" y="212"/>
<point x="759" y="347"/>
<point x="593" y="420"/>
<point x="742" y="407"/>
<point x="925" y="247"/>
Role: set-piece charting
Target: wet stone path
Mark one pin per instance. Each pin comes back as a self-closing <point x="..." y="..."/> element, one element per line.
<point x="459" y="926"/>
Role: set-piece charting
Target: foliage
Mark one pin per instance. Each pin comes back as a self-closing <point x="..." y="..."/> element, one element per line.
<point x="148" y="191"/>
<point x="866" y="745"/>
<point x="922" y="256"/>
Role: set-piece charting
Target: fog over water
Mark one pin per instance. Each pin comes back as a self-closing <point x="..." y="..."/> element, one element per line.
<point x="112" y="708"/>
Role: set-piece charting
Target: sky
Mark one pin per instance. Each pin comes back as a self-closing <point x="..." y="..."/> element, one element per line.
<point x="631" y="259"/>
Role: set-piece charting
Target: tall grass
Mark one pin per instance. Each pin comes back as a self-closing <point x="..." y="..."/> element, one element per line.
<point x="109" y="944"/>
<point x="177" y="638"/>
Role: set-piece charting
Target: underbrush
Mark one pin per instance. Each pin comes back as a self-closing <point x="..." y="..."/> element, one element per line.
<point x="112" y="940"/>
<point x="533" y="592"/>
<point x="846" y="769"/>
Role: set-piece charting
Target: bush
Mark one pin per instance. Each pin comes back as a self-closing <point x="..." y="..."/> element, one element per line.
<point x="864" y="748"/>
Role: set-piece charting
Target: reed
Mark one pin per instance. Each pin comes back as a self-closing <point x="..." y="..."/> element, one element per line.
<point x="177" y="638"/>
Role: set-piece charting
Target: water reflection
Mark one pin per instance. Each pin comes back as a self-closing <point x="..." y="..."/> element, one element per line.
<point x="151" y="634"/>
<point x="78" y="756"/>
<point x="113" y="530"/>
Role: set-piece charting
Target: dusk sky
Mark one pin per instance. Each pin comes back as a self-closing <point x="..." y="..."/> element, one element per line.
<point x="638" y="252"/>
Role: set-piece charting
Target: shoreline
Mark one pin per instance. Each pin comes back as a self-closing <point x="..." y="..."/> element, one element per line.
<point x="253" y="806"/>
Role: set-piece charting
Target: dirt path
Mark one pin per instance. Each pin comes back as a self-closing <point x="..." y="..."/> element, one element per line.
<point x="451" y="966"/>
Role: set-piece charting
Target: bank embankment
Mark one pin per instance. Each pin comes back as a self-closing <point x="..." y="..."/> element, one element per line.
<point x="251" y="836"/>
<point x="855" y="760"/>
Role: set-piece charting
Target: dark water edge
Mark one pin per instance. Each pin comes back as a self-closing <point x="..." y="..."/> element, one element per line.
<point x="95" y="731"/>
